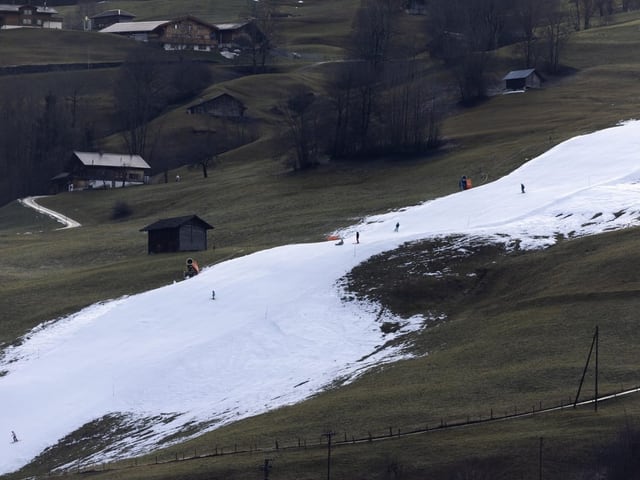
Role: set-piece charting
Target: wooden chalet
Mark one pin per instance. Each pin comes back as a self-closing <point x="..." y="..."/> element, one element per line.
<point x="27" y="15"/>
<point x="140" y="31"/>
<point x="185" y="33"/>
<point x="522" y="79"/>
<point x="177" y="234"/>
<point x="228" y="33"/>
<point x="223" y="105"/>
<point x="109" y="17"/>
<point x="88" y="170"/>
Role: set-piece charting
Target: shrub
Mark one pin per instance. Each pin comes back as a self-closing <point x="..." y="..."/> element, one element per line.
<point x="121" y="210"/>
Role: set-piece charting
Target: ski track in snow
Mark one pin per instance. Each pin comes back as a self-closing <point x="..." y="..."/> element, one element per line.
<point x="279" y="330"/>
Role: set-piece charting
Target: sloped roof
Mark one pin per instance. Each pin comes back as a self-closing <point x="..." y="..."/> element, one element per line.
<point x="191" y="18"/>
<point x="114" y="12"/>
<point x="231" y="26"/>
<point x="519" y="74"/>
<point x="175" y="222"/>
<point x="133" y="27"/>
<point x="5" y="7"/>
<point x="216" y="99"/>
<point x="111" y="159"/>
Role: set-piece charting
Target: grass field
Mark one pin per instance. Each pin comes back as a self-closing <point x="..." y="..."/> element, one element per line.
<point x="518" y="340"/>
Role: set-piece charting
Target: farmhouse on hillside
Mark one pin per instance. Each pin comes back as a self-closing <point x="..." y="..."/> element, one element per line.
<point x="223" y="105"/>
<point x="186" y="33"/>
<point x="177" y="234"/>
<point x="228" y="33"/>
<point x="109" y="17"/>
<point x="140" y="31"/>
<point x="88" y="170"/>
<point x="522" y="79"/>
<point x="27" y="15"/>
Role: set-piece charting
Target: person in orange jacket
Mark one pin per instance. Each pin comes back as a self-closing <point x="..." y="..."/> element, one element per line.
<point x="192" y="268"/>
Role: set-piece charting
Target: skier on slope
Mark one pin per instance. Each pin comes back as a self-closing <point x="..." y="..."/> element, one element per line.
<point x="192" y="268"/>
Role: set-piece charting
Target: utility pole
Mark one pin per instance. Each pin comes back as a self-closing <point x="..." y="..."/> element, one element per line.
<point x="266" y="468"/>
<point x="596" y="339"/>
<point x="329" y="435"/>
<point x="594" y="346"/>
<point x="540" y="460"/>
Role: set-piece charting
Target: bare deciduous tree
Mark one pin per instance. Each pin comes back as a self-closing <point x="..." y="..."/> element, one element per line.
<point x="556" y="35"/>
<point x="140" y="94"/>
<point x="302" y="120"/>
<point x="261" y="36"/>
<point x="372" y="32"/>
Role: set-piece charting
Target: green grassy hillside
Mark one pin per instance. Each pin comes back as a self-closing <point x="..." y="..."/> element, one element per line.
<point x="514" y="341"/>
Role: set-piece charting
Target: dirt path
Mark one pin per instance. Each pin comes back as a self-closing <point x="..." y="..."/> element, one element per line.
<point x="66" y="221"/>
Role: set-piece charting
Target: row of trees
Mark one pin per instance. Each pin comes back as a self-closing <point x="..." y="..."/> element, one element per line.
<point x="35" y="143"/>
<point x="373" y="106"/>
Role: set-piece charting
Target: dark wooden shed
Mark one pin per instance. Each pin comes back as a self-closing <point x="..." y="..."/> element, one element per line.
<point x="522" y="79"/>
<point x="224" y="105"/>
<point x="177" y="234"/>
<point x="109" y="17"/>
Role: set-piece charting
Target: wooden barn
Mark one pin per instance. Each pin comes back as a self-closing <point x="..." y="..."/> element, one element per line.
<point x="109" y="17"/>
<point x="228" y="33"/>
<point x="28" y="15"/>
<point x="223" y="105"/>
<point x="88" y="170"/>
<point x="522" y="79"/>
<point x="187" y="33"/>
<point x="177" y="234"/>
<point x="184" y="33"/>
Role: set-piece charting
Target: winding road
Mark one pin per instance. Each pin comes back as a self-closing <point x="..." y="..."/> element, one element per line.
<point x="66" y="221"/>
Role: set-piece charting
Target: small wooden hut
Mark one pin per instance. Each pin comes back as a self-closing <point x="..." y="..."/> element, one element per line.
<point x="177" y="234"/>
<point x="522" y="79"/>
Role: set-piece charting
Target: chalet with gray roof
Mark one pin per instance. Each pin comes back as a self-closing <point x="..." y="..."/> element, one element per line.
<point x="87" y="170"/>
<point x="522" y="79"/>
<point x="188" y="33"/>
<point x="27" y="15"/>
<point x="228" y="33"/>
<point x="177" y="234"/>
<point x="109" y="17"/>
<point x="223" y="105"/>
<point x="140" y="31"/>
<point x="185" y="33"/>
